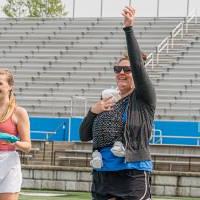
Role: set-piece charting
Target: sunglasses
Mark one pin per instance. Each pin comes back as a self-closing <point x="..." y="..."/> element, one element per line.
<point x="118" y="69"/>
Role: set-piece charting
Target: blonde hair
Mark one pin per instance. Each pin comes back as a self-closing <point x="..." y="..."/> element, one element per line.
<point x="126" y="57"/>
<point x="12" y="101"/>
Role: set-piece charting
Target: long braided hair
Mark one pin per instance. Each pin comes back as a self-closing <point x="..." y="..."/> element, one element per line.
<point x="12" y="101"/>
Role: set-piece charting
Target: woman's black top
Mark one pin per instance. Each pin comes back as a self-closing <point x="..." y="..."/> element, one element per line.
<point x="141" y="104"/>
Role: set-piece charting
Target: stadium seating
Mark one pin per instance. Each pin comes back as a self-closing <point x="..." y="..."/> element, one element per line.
<point x="56" y="60"/>
<point x="78" y="154"/>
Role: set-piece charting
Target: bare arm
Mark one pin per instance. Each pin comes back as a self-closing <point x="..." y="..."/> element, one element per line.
<point x="23" y="128"/>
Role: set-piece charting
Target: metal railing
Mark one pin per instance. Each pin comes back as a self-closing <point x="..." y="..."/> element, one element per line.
<point x="156" y="133"/>
<point x="79" y="100"/>
<point x="161" y="137"/>
<point x="150" y="60"/>
<point x="163" y="45"/>
<point x="178" y="29"/>
<point x="192" y="15"/>
<point x="158" y="137"/>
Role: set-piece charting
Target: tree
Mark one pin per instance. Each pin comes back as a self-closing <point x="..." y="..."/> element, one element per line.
<point x="15" y="8"/>
<point x="34" y="8"/>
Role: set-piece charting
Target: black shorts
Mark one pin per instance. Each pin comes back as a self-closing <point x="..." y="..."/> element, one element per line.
<point x="123" y="185"/>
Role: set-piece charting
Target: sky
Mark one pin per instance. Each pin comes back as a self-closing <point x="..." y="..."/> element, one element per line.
<point x="112" y="8"/>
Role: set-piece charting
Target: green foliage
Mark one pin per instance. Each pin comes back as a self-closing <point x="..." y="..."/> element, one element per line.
<point x="14" y="8"/>
<point x="34" y="8"/>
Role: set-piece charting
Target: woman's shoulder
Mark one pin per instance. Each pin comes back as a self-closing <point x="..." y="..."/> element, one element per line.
<point x="20" y="111"/>
<point x="19" y="114"/>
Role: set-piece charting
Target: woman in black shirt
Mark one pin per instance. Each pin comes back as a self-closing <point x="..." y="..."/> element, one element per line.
<point x="121" y="131"/>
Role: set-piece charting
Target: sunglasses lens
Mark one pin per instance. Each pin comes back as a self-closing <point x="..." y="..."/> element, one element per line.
<point x="118" y="69"/>
<point x="126" y="69"/>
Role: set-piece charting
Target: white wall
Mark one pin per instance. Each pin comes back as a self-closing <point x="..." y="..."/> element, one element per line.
<point x="145" y="8"/>
<point x="173" y="8"/>
<point x="112" y="8"/>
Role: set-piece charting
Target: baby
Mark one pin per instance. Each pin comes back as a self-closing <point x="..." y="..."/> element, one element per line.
<point x="118" y="148"/>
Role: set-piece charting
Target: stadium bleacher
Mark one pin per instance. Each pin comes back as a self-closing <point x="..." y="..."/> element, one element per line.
<point x="55" y="60"/>
<point x="61" y="65"/>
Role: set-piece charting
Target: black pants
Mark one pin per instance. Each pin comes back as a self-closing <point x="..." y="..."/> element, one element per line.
<point x="123" y="185"/>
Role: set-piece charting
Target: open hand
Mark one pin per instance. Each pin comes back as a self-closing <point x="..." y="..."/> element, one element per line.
<point x="129" y="16"/>
<point x="102" y="105"/>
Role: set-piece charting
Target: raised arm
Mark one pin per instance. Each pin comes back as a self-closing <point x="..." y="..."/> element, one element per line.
<point x="143" y="86"/>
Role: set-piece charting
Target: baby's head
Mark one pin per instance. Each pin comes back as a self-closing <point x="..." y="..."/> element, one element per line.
<point x="114" y="93"/>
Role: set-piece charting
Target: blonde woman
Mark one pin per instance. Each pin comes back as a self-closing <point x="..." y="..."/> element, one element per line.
<point x="14" y="120"/>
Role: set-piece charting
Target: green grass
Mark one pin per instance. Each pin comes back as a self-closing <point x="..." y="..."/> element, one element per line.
<point x="65" y="196"/>
<point x="174" y="198"/>
<point x="76" y="196"/>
